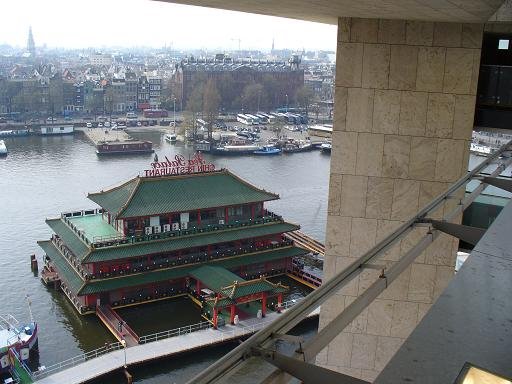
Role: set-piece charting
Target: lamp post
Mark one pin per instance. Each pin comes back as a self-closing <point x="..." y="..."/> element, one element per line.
<point x="174" y="113"/>
<point x="286" y="103"/>
<point x="123" y="343"/>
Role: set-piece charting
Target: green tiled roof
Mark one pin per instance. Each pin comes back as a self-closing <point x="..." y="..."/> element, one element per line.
<point x="152" y="196"/>
<point x="215" y="277"/>
<point x="96" y="286"/>
<point x="252" y="287"/>
<point x="65" y="270"/>
<point x="183" y="242"/>
<point x="70" y="238"/>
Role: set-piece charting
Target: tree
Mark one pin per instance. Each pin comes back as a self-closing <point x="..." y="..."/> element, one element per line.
<point x="195" y="105"/>
<point x="304" y="96"/>
<point x="211" y="103"/>
<point x="254" y="96"/>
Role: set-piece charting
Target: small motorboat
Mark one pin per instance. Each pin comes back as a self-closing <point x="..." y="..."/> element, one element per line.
<point x="267" y="150"/>
<point x="326" y="147"/>
<point x="171" y="137"/>
<point x="3" y="148"/>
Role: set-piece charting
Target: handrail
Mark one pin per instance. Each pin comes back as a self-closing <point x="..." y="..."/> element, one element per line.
<point x="174" y="332"/>
<point x="76" y="360"/>
<point x="226" y="334"/>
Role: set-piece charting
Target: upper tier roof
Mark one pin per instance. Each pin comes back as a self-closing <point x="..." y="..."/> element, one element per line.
<point x="143" y="196"/>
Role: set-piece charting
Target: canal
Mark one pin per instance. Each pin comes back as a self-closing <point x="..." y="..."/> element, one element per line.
<point x="43" y="176"/>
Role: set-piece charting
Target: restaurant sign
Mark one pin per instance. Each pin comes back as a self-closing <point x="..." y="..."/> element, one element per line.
<point x="179" y="165"/>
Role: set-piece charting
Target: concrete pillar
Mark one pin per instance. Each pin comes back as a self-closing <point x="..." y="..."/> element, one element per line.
<point x="404" y="106"/>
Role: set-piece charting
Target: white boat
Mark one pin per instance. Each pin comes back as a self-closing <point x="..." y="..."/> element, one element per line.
<point x="171" y="137"/>
<point x="20" y="338"/>
<point x="480" y="150"/>
<point x="3" y="148"/>
<point x="236" y="149"/>
<point x="326" y="147"/>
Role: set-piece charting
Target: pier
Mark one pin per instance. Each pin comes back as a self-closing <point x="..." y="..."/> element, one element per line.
<point x="304" y="241"/>
<point x="97" y="363"/>
<point x="100" y="135"/>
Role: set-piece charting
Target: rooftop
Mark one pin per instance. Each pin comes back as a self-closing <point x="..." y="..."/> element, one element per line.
<point x="94" y="227"/>
<point x="143" y="196"/>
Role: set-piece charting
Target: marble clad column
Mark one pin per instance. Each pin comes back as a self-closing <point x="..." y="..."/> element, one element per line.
<point x="404" y="107"/>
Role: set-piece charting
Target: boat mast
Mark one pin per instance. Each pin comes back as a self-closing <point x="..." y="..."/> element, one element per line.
<point x="29" y="303"/>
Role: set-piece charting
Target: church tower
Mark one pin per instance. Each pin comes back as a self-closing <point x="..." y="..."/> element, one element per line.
<point x="31" y="46"/>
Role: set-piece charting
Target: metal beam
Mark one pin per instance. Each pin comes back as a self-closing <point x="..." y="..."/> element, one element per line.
<point x="297" y="313"/>
<point x="306" y="372"/>
<point x="471" y="235"/>
<point x="505" y="184"/>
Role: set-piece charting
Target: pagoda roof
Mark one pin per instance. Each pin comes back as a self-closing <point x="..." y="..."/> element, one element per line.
<point x="198" y="239"/>
<point x="215" y="277"/>
<point x="149" y="196"/>
<point x="231" y="286"/>
<point x="85" y="287"/>
<point x="72" y="240"/>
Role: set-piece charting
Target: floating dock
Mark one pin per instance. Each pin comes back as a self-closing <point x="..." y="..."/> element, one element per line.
<point x="100" y="135"/>
<point x="142" y="353"/>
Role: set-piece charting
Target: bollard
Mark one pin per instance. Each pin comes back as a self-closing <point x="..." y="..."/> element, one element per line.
<point x="33" y="263"/>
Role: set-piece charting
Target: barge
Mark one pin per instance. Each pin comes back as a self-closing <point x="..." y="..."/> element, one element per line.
<point x="123" y="147"/>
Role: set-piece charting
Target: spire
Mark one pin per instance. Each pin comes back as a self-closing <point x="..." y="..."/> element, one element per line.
<point x="31" y="46"/>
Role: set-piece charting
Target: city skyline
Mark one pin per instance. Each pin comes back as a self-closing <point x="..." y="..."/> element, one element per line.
<point x="144" y="23"/>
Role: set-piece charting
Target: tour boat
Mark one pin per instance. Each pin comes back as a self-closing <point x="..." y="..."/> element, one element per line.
<point x="3" y="148"/>
<point x="171" y="137"/>
<point x="14" y="132"/>
<point x="267" y="150"/>
<point x="20" y="338"/>
<point x="247" y="149"/>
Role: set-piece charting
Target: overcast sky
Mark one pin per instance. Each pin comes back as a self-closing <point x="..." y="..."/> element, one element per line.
<point x="97" y="23"/>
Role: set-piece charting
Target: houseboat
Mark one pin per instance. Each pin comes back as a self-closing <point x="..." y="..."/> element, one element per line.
<point x="47" y="130"/>
<point x="123" y="147"/>
<point x="179" y="228"/>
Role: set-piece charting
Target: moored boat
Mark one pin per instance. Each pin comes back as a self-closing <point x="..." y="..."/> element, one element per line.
<point x="20" y="338"/>
<point x="297" y="146"/>
<point x="267" y="150"/>
<point x="14" y="132"/>
<point x="124" y="147"/>
<point x="171" y="137"/>
<point x="326" y="147"/>
<point x="247" y="149"/>
<point x="3" y="148"/>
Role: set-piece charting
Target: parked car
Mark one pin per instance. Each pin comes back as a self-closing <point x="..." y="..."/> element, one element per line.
<point x="107" y="124"/>
<point x="100" y="125"/>
<point x="89" y="125"/>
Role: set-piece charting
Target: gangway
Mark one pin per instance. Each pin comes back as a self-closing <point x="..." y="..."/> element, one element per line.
<point x="116" y="325"/>
<point x="304" y="241"/>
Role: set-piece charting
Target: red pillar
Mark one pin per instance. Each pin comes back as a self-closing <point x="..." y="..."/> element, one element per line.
<point x="215" y="318"/>
<point x="232" y="315"/>
<point x="279" y="302"/>
<point x="252" y="211"/>
<point x="264" y="304"/>
<point x="198" y="217"/>
<point x="198" y="287"/>
<point x="226" y="217"/>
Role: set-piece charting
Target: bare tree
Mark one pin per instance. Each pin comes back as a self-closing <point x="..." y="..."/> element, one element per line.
<point x="211" y="103"/>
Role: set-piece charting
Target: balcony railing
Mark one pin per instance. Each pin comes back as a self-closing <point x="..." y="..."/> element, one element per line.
<point x="197" y="257"/>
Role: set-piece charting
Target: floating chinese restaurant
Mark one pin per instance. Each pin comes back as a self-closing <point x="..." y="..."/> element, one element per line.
<point x="197" y="231"/>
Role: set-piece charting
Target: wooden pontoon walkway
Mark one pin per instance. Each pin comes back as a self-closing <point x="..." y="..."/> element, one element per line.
<point x="163" y="348"/>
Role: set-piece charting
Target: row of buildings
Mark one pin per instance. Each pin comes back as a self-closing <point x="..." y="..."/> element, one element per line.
<point x="102" y="84"/>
